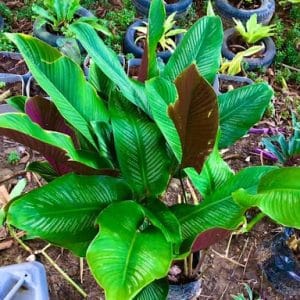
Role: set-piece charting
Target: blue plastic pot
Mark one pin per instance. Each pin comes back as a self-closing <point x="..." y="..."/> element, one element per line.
<point x="26" y="281"/>
<point x="253" y="63"/>
<point x="227" y="11"/>
<point x="186" y="291"/>
<point x="181" y="7"/>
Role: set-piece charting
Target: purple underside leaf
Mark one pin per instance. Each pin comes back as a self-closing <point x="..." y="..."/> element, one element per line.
<point x="45" y="113"/>
<point x="209" y="238"/>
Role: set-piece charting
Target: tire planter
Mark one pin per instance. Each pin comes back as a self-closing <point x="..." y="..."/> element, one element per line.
<point x="12" y="78"/>
<point x="181" y="7"/>
<point x="280" y="265"/>
<point x="186" y="291"/>
<point x="253" y="63"/>
<point x="131" y="47"/>
<point x="52" y="39"/>
<point x="227" y="11"/>
<point x="239" y="80"/>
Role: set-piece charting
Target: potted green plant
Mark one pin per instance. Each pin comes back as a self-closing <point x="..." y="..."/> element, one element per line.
<point x="241" y="38"/>
<point x="55" y="16"/>
<point x="135" y="138"/>
<point x="135" y="38"/>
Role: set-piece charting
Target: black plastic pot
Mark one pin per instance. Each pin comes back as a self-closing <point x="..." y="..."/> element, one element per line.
<point x="227" y="11"/>
<point x="253" y="63"/>
<point x="186" y="291"/>
<point x="281" y="266"/>
<point x="43" y="34"/>
<point x="238" y="80"/>
<point x="1" y="23"/>
<point x="131" y="47"/>
<point x="181" y="7"/>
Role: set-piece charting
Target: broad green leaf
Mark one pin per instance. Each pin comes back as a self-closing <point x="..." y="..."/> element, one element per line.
<point x="218" y="210"/>
<point x="162" y="217"/>
<point x="44" y="169"/>
<point x="18" y="188"/>
<point x="201" y="45"/>
<point x="240" y="109"/>
<point x="18" y="102"/>
<point x="161" y="93"/>
<point x="109" y="64"/>
<point x="156" y="290"/>
<point x="56" y="74"/>
<point x="124" y="258"/>
<point x="2" y="217"/>
<point x="157" y="15"/>
<point x="195" y="115"/>
<point x="57" y="145"/>
<point x="42" y="13"/>
<point x="278" y="196"/>
<point x="214" y="174"/>
<point x="64" y="211"/>
<point x="140" y="147"/>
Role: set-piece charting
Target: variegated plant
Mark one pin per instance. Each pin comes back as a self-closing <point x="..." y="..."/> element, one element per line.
<point x="113" y="143"/>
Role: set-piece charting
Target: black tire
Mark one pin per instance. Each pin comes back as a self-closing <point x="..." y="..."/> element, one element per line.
<point x="50" y="38"/>
<point x="224" y="77"/>
<point x="181" y="7"/>
<point x="228" y="11"/>
<point x="253" y="63"/>
<point x="131" y="47"/>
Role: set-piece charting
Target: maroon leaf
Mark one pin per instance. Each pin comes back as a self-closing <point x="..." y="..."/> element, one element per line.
<point x="195" y="115"/>
<point x="209" y="237"/>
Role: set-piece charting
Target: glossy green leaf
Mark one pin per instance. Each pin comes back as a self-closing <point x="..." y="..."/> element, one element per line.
<point x="109" y="64"/>
<point x="18" y="188"/>
<point x="218" y="210"/>
<point x="64" y="211"/>
<point x="17" y="102"/>
<point x="124" y="258"/>
<point x="157" y="15"/>
<point x="59" y="146"/>
<point x="161" y="216"/>
<point x="214" y="174"/>
<point x="141" y="149"/>
<point x="161" y="93"/>
<point x="278" y="196"/>
<point x="156" y="290"/>
<point x="195" y="115"/>
<point x="44" y="169"/>
<point x="201" y="45"/>
<point x="78" y="104"/>
<point x="240" y="109"/>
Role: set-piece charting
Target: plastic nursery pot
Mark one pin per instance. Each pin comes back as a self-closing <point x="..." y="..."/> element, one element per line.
<point x="235" y="81"/>
<point x="227" y="10"/>
<point x="15" y="84"/>
<point x="26" y="281"/>
<point x="52" y="39"/>
<point x="180" y="6"/>
<point x="266" y="58"/>
<point x="33" y="89"/>
<point x="186" y="291"/>
<point x="280" y="265"/>
<point x="131" y="47"/>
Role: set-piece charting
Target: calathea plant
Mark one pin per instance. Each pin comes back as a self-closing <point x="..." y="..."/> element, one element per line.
<point x="134" y="136"/>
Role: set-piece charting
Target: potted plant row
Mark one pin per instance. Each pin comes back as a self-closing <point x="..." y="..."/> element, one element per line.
<point x="113" y="144"/>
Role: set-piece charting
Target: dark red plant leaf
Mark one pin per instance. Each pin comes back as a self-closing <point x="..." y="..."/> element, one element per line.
<point x="195" y="115"/>
<point x="143" y="70"/>
<point x="209" y="237"/>
<point x="45" y="113"/>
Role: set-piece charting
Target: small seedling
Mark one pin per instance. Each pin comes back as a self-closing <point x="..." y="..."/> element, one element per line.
<point x="250" y="295"/>
<point x="13" y="157"/>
